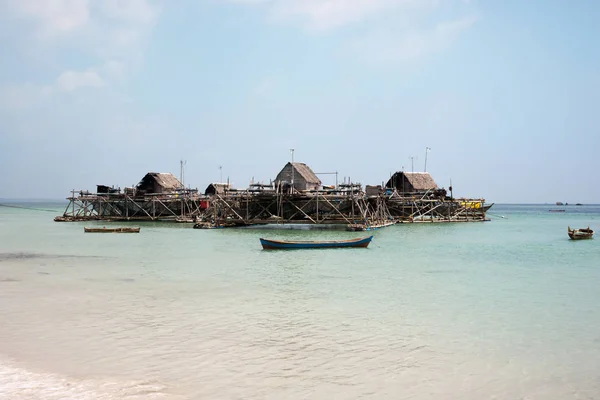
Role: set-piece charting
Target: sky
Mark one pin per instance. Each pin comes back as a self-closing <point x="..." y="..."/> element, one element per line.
<point x="504" y="93"/>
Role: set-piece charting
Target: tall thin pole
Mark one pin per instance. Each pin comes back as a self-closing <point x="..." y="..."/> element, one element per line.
<point x="292" y="151"/>
<point x="412" y="164"/>
<point x="403" y="179"/>
<point x="427" y="149"/>
<point x="181" y="172"/>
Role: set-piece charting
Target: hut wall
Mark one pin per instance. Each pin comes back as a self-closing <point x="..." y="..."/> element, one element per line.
<point x="399" y="182"/>
<point x="373" y="190"/>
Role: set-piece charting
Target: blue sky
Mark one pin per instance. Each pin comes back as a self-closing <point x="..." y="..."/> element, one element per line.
<point x="505" y="93"/>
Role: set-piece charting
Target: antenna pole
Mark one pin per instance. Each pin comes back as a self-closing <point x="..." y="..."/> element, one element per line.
<point x="292" y="151"/>
<point x="427" y="149"/>
<point x="181" y="171"/>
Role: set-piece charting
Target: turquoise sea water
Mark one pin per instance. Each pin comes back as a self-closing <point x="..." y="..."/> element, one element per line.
<point x="506" y="309"/>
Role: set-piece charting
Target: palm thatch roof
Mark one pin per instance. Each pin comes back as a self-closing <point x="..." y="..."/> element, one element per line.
<point x="156" y="182"/>
<point x="217" y="188"/>
<point x="304" y="171"/>
<point x="421" y="180"/>
<point x="412" y="181"/>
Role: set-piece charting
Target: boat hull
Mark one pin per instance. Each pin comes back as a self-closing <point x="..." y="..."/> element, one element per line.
<point x="269" y="244"/>
<point x="579" y="234"/>
<point x="363" y="227"/>
<point x="111" y="230"/>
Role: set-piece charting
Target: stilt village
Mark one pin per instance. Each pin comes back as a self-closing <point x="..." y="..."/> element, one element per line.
<point x="295" y="196"/>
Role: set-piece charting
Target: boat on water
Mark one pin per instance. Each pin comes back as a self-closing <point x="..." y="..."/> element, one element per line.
<point x="561" y="210"/>
<point x="368" y="227"/>
<point x="476" y="205"/>
<point x="584" y="233"/>
<point x="112" y="230"/>
<point x="204" y="225"/>
<point x="270" y="244"/>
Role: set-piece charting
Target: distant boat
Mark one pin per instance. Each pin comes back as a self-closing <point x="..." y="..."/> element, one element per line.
<point x="559" y="203"/>
<point x="204" y="225"/>
<point x="585" y="233"/>
<point x="368" y="227"/>
<point x="557" y="210"/>
<point x="476" y="205"/>
<point x="111" y="230"/>
<point x="269" y="244"/>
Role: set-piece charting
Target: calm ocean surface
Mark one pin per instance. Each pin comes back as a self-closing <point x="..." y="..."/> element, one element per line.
<point x="507" y="309"/>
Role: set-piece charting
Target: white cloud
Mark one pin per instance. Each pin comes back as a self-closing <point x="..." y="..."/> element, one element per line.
<point x="330" y="14"/>
<point x="108" y="35"/>
<point x="135" y="11"/>
<point x="29" y="95"/>
<point x="383" y="46"/>
<point x="66" y="16"/>
<point x="97" y="28"/>
<point x="71" y="80"/>
<point x="391" y="30"/>
<point x="53" y="16"/>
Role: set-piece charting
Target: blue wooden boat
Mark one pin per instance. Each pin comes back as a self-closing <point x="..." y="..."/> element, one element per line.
<point x="269" y="244"/>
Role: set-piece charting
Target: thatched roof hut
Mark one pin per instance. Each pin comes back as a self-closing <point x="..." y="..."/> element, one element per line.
<point x="216" y="188"/>
<point x="406" y="182"/>
<point x="158" y="182"/>
<point x="300" y="175"/>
